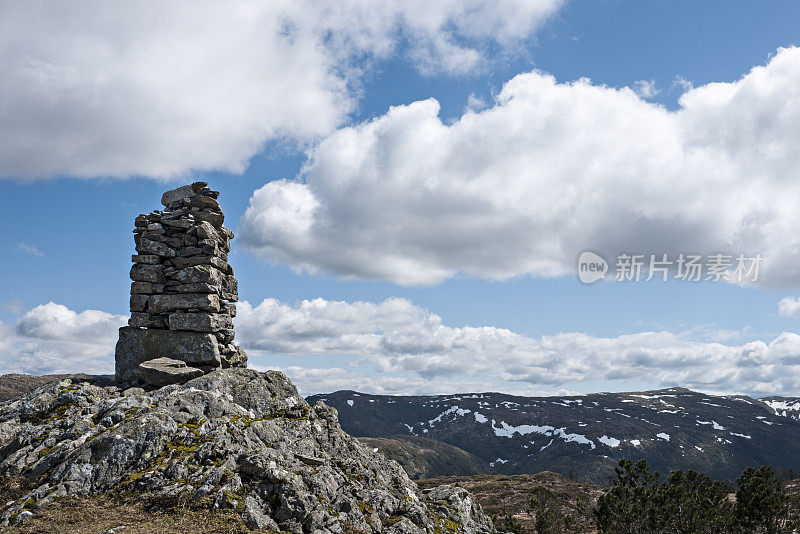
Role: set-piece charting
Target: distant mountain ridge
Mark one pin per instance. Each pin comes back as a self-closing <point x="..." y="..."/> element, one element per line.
<point x="785" y="406"/>
<point x="585" y="435"/>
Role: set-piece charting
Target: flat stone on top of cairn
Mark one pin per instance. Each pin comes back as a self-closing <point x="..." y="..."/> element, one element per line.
<point x="183" y="292"/>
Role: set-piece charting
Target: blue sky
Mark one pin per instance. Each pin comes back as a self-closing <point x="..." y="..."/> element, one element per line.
<point x="67" y="238"/>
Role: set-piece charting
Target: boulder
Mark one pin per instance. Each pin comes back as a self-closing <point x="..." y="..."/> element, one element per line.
<point x="164" y="371"/>
<point x="137" y="345"/>
<point x="179" y="193"/>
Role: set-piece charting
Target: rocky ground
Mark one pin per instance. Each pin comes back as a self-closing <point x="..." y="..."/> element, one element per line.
<point x="510" y="496"/>
<point x="236" y="440"/>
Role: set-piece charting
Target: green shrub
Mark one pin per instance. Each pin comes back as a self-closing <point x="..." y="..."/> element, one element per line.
<point x="762" y="505"/>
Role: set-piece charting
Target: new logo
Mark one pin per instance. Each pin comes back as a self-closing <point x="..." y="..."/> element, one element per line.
<point x="591" y="267"/>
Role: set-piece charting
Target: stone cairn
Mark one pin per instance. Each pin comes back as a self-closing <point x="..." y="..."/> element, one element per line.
<point x="182" y="295"/>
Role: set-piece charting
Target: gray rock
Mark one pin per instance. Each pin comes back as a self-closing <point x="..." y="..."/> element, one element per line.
<point x="146" y="258"/>
<point x="235" y="439"/>
<point x="236" y="357"/>
<point x="230" y="285"/>
<point x="182" y="263"/>
<point x="188" y="252"/>
<point x="146" y="246"/>
<point x="145" y="320"/>
<point x="136" y="345"/>
<point x="254" y="517"/>
<point x="184" y="301"/>
<point x="195" y="288"/>
<point x="184" y="224"/>
<point x="199" y="322"/>
<point x="141" y="272"/>
<point x="206" y="230"/>
<point x="146" y="288"/>
<point x="164" y="371"/>
<point x="21" y="518"/>
<point x="215" y="218"/>
<point x="139" y="303"/>
<point x="201" y="201"/>
<point x="203" y="274"/>
<point x="179" y="193"/>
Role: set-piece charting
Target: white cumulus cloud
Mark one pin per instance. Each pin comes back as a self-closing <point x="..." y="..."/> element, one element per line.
<point x="163" y="88"/>
<point x="414" y="352"/>
<point x="397" y="347"/>
<point x="51" y="338"/>
<point x="550" y="170"/>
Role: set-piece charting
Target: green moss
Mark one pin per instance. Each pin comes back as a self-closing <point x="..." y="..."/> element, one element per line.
<point x="389" y="521"/>
<point x="366" y="511"/>
<point x="59" y="412"/>
<point x="451" y="526"/>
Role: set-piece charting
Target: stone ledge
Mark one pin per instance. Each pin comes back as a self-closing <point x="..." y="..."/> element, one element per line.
<point x="137" y="345"/>
<point x="164" y="371"/>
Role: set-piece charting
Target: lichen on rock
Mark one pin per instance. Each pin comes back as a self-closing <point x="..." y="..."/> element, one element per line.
<point x="234" y="439"/>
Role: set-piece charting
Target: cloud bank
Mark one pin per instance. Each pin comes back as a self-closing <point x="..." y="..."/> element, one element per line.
<point x="51" y="338"/>
<point x="163" y="88"/>
<point x="414" y="352"/>
<point x="398" y="347"/>
<point x="550" y="170"/>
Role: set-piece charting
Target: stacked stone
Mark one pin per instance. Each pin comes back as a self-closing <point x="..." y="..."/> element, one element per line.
<point x="183" y="290"/>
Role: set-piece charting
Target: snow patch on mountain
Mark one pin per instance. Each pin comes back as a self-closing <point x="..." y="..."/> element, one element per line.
<point x="453" y="409"/>
<point x="611" y="442"/>
<point x="716" y="425"/>
<point x="507" y="431"/>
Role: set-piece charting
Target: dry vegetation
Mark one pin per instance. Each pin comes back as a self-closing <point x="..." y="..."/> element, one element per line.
<point x="14" y="385"/>
<point x="504" y="495"/>
<point x="101" y="514"/>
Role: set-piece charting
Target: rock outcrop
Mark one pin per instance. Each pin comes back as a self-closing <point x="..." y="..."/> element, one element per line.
<point x="183" y="292"/>
<point x="234" y="438"/>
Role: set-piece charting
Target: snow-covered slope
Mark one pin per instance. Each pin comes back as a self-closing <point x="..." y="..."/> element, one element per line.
<point x="784" y="406"/>
<point x="672" y="428"/>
